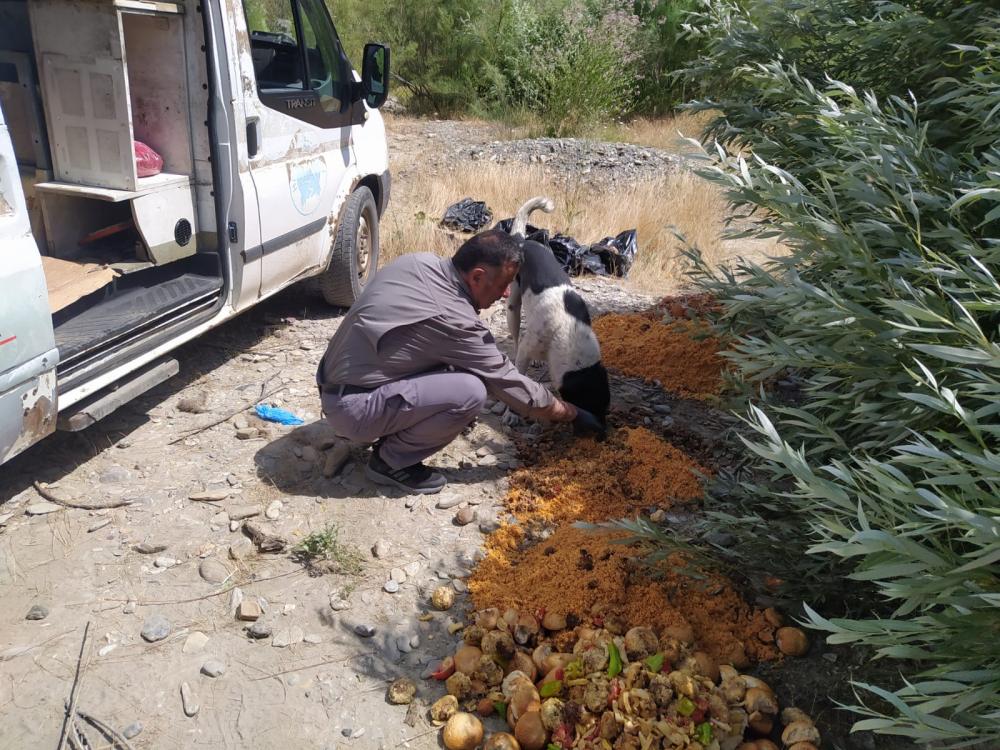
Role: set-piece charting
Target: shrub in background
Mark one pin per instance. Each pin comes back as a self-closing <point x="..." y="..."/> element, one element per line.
<point x="887" y="468"/>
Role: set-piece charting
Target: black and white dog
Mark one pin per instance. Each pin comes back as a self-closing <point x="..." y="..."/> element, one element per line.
<point x="557" y="323"/>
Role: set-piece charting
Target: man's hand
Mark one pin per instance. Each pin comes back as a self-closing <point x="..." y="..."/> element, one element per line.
<point x="558" y="411"/>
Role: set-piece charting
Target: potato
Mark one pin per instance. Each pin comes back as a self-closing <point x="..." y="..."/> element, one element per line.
<point x="501" y="741"/>
<point x="467" y="659"/>
<point x="444" y="708"/>
<point x="530" y="732"/>
<point x="463" y="732"/>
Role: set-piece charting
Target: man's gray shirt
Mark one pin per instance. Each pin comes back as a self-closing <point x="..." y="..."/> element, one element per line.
<point x="416" y="315"/>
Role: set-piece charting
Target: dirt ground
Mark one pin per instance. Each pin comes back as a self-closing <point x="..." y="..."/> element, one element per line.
<point x="165" y="554"/>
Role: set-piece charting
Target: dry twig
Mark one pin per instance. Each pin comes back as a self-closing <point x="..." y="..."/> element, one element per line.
<point x="47" y="494"/>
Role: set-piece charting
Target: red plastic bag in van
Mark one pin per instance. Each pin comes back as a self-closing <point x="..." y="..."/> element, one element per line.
<point x="147" y="161"/>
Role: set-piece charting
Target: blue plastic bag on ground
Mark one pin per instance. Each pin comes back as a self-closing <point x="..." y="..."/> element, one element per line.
<point x="276" y="414"/>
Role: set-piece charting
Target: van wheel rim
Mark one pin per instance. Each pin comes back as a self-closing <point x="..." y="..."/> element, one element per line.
<point x="363" y="244"/>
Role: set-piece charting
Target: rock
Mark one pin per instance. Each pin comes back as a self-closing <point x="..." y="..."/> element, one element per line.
<point x="465" y="516"/>
<point x="459" y="585"/>
<point x="194" y="404"/>
<point x="132" y="730"/>
<point x="188" y="700"/>
<point x="164" y="562"/>
<point x="41" y="509"/>
<point x="155" y="628"/>
<point x="213" y="668"/>
<point x="241" y="422"/>
<point x="364" y="630"/>
<point x="489" y="525"/>
<point x="662" y="408"/>
<point x="411" y="569"/>
<point x="287" y="637"/>
<point x="380" y="548"/>
<point x="312" y="639"/>
<point x="273" y="511"/>
<point x="37" y="612"/>
<point x="658" y="516"/>
<point x="195" y="643"/>
<point x="337" y="604"/>
<point x="403" y="644"/>
<point x="149" y="548"/>
<point x="105" y="650"/>
<point x="336" y="459"/>
<point x="246" y="433"/>
<point x="213" y="570"/>
<point x="259" y="630"/>
<point x="483" y="451"/>
<point x="359" y="732"/>
<point x="209" y="496"/>
<point x="235" y="599"/>
<point x="401" y="691"/>
<point x="248" y="610"/>
<point x="448" y="502"/>
<point x="241" y="512"/>
<point x="130" y="607"/>
<point x="498" y="408"/>
<point x="487" y="461"/>
<point x="390" y="587"/>
<point x="397" y="575"/>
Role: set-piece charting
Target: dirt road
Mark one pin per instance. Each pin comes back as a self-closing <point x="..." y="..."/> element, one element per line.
<point x="160" y="577"/>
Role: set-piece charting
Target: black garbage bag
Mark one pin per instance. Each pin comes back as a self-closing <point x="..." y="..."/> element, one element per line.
<point x="533" y="233"/>
<point x="575" y="258"/>
<point x="617" y="254"/>
<point x="467" y="215"/>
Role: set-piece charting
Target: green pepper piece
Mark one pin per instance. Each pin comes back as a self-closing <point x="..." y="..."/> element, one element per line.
<point x="654" y="663"/>
<point x="553" y="746"/>
<point x="703" y="733"/>
<point x="550" y="688"/>
<point x="685" y="706"/>
<point x="615" y="660"/>
<point x="501" y="708"/>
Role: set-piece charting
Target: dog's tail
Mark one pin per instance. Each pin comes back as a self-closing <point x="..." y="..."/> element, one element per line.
<point x="520" y="224"/>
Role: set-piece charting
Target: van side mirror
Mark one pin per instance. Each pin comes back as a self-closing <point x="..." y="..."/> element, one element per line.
<point x="375" y="74"/>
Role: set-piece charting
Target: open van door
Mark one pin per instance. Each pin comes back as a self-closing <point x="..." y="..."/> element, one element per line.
<point x="28" y="355"/>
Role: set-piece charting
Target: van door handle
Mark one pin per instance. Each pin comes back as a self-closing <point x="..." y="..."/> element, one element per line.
<point x="253" y="136"/>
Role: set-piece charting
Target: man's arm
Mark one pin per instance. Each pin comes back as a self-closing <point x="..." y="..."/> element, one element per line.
<point x="473" y="349"/>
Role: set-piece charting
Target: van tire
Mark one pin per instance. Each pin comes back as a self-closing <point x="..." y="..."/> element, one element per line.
<point x="355" y="251"/>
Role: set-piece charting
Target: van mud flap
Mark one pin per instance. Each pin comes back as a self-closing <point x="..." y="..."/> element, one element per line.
<point x="82" y="415"/>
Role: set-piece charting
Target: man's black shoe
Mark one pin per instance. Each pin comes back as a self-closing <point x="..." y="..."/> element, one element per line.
<point x="416" y="478"/>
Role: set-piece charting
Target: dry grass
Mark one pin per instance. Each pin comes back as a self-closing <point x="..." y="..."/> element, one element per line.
<point x="666" y="133"/>
<point x="680" y="203"/>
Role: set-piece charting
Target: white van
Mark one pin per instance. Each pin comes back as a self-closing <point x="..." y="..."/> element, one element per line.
<point x="272" y="168"/>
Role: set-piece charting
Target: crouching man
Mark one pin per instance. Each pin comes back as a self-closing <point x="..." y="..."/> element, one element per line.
<point x="411" y="365"/>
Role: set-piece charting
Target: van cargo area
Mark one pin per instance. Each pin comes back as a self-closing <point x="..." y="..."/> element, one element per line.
<point x="124" y="255"/>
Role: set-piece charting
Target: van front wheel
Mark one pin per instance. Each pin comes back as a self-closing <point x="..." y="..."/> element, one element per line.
<point x="355" y="251"/>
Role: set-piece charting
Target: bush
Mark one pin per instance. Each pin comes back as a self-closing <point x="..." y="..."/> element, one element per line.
<point x="887" y="313"/>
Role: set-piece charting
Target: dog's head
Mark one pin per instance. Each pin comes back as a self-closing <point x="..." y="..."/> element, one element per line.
<point x="588" y="389"/>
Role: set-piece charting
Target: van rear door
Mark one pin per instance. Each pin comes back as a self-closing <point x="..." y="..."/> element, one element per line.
<point x="28" y="355"/>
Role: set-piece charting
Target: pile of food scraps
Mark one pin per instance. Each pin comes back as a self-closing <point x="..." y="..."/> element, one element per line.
<point x="581" y="575"/>
<point x="600" y="686"/>
<point x="682" y="355"/>
<point x="632" y="471"/>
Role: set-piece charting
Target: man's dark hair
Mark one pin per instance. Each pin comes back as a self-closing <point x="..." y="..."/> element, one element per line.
<point x="494" y="248"/>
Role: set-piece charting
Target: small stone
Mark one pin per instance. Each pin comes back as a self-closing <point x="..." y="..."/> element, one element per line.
<point x="246" y="433"/>
<point x="448" y="502"/>
<point x="459" y="585"/>
<point x="380" y="548"/>
<point x="240" y="422"/>
<point x="397" y="575"/>
<point x="195" y="643"/>
<point x="465" y="516"/>
<point x="484" y="451"/>
<point x="155" y="628"/>
<point x="37" y="612"/>
<point x="339" y="605"/>
<point x="164" y="562"/>
<point x="132" y="730"/>
<point x="336" y="459"/>
<point x="259" y="630"/>
<point x="346" y="731"/>
<point x="414" y="641"/>
<point x="489" y="525"/>
<point x="248" y="610"/>
<point x="188" y="700"/>
<point x="401" y="691"/>
<point x="242" y="512"/>
<point x="403" y="644"/>
<point x="312" y="639"/>
<point x="213" y="570"/>
<point x="359" y="732"/>
<point x="234" y="525"/>
<point x="662" y="408"/>
<point x="488" y="461"/>
<point x="241" y="550"/>
<point x="209" y="496"/>
<point x="105" y="650"/>
<point x="213" y="668"/>
<point x="364" y="630"/>
<point x="41" y="509"/>
<point x="273" y="511"/>
<point x="149" y="548"/>
<point x="287" y="637"/>
<point x="411" y="569"/>
<point x="390" y="587"/>
<point x="658" y="515"/>
<point x="130" y="607"/>
<point x="498" y="408"/>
